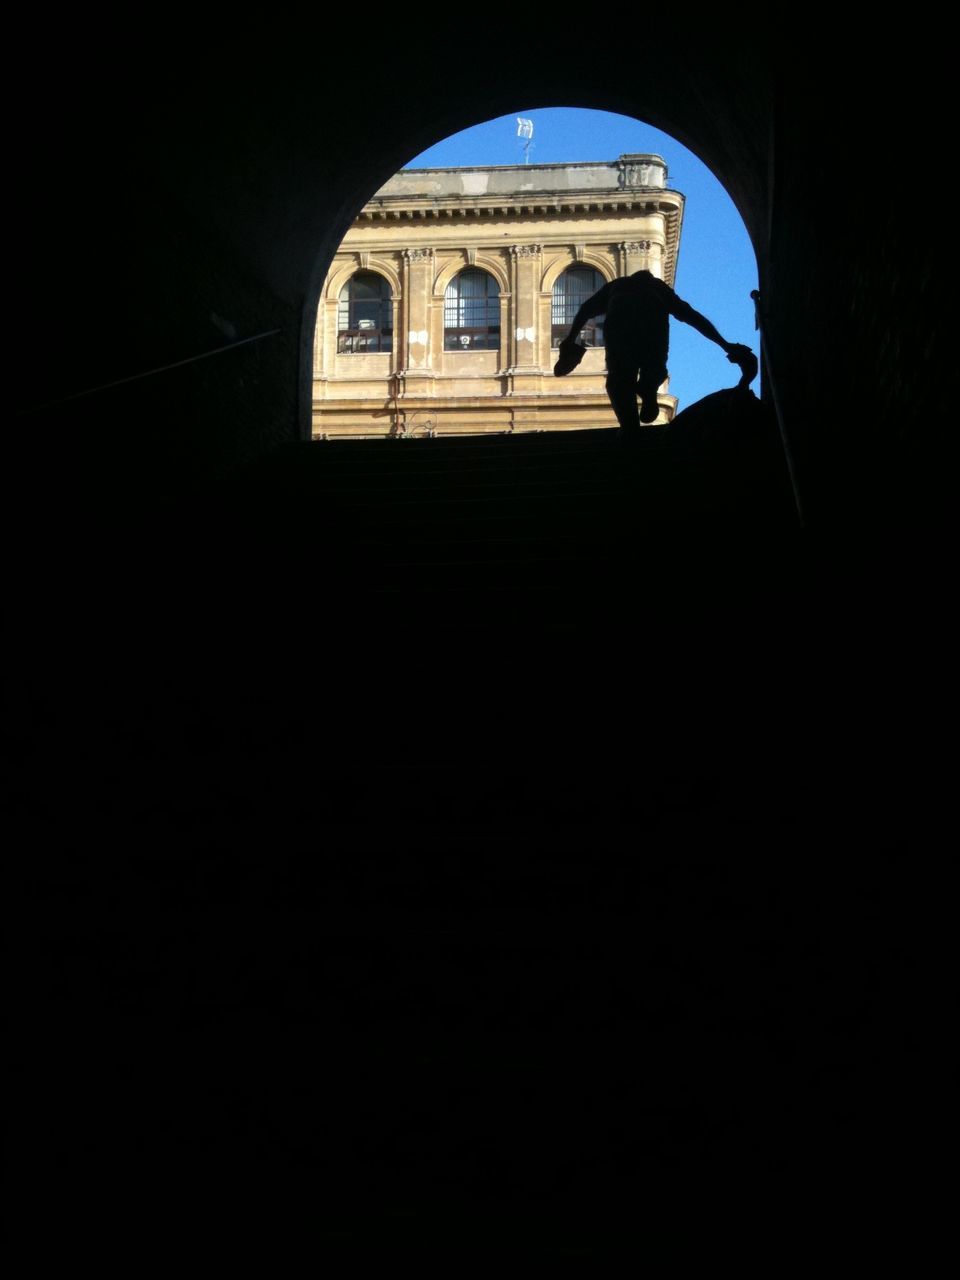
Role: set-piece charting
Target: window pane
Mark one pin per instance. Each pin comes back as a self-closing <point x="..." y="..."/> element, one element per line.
<point x="367" y="286"/>
<point x="471" y="312"/>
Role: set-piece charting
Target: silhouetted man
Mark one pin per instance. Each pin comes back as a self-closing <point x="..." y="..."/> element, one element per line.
<point x="637" y="338"/>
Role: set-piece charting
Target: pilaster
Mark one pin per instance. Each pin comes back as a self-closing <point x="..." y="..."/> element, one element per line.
<point x="525" y="268"/>
<point x="415" y="354"/>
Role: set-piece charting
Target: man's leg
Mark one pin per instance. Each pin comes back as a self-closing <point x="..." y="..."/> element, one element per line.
<point x="652" y="376"/>
<point x="622" y="390"/>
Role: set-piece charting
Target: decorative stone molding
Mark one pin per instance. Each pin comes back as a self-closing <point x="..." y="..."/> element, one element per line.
<point x="418" y="255"/>
<point x="472" y="257"/>
<point x="637" y="246"/>
<point x="526" y="250"/>
<point x="364" y="257"/>
<point x="642" y="174"/>
<point x="578" y="251"/>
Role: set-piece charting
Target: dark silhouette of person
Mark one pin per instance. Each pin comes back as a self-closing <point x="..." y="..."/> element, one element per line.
<point x="637" y="339"/>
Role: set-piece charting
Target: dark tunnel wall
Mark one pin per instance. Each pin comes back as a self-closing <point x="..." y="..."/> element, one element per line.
<point x="191" y="197"/>
<point x="208" y="734"/>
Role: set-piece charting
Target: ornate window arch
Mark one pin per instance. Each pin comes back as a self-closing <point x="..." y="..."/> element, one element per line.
<point x="365" y="314"/>
<point x="570" y="290"/>
<point x="471" y="312"/>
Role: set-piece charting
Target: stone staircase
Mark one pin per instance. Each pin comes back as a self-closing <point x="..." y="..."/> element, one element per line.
<point x="453" y="530"/>
<point x="413" y="860"/>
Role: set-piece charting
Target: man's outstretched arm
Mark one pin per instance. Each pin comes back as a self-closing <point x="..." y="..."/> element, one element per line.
<point x="570" y="351"/>
<point x="683" y="311"/>
<point x="737" y="353"/>
<point x="594" y="306"/>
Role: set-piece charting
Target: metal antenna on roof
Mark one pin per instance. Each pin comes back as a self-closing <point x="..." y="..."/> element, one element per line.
<point x="525" y="130"/>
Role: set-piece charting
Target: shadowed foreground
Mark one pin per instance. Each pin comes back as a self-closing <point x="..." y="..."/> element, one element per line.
<point x="454" y="845"/>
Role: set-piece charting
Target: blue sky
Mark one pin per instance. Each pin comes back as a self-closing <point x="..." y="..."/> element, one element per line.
<point x="716" y="269"/>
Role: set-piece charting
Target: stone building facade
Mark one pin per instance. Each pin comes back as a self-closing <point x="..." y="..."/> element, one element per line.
<point x="442" y="309"/>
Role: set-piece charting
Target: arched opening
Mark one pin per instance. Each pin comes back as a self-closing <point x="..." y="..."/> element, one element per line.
<point x="490" y="261"/>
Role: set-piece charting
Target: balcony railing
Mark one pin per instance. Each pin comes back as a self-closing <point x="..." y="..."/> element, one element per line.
<point x="364" y="340"/>
<point x="591" y="335"/>
<point x="482" y="338"/>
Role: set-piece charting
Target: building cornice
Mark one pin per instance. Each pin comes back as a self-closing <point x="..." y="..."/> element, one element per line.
<point x="401" y="209"/>
<point x="670" y="209"/>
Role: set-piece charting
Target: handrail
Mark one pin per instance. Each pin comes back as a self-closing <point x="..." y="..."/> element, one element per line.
<point x="772" y="383"/>
<point x="149" y="373"/>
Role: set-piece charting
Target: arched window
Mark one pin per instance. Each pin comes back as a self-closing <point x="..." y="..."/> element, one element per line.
<point x="570" y="292"/>
<point x="471" y="312"/>
<point x="365" y="319"/>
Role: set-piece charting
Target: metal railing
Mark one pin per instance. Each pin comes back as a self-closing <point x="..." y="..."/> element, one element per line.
<point x="150" y="373"/>
<point x="368" y="341"/>
<point x="478" y="338"/>
<point x="759" y="325"/>
<point x="591" y="335"/>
